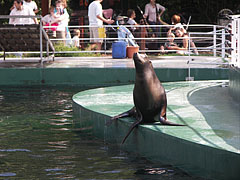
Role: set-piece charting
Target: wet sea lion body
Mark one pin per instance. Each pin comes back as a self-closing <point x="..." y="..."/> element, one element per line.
<point x="149" y="96"/>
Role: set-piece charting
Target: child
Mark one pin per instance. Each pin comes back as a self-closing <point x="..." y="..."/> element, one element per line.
<point x="169" y="45"/>
<point x="75" y="39"/>
<point x="50" y="20"/>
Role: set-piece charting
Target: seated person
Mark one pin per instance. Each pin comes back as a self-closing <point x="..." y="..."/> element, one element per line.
<point x="75" y="39"/>
<point x="176" y="21"/>
<point x="180" y="32"/>
<point x="169" y="45"/>
<point x="185" y="41"/>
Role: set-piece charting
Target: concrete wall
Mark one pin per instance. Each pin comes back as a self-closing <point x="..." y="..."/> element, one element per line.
<point x="97" y="76"/>
<point x="234" y="83"/>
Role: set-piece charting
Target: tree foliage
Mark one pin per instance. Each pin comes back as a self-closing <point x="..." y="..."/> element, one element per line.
<point x="201" y="11"/>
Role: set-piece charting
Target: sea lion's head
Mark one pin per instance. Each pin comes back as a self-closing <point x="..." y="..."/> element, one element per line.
<point x="141" y="61"/>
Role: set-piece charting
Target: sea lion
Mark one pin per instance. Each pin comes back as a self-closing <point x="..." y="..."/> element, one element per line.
<point x="149" y="97"/>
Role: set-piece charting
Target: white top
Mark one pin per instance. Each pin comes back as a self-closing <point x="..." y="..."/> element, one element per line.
<point x="95" y="9"/>
<point x="31" y="4"/>
<point x="64" y="22"/>
<point x="75" y="41"/>
<point x="48" y="18"/>
<point x="132" y="22"/>
<point x="180" y="26"/>
<point x="150" y="11"/>
<point x="27" y="11"/>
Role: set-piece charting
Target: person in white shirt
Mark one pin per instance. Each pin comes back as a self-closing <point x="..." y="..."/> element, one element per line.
<point x="22" y="10"/>
<point x="96" y="20"/>
<point x="62" y="17"/>
<point x="131" y="16"/>
<point x="31" y="4"/>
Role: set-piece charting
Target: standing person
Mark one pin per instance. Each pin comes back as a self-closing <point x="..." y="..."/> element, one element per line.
<point x="131" y="20"/>
<point x="62" y="19"/>
<point x="153" y="12"/>
<point x="21" y="10"/>
<point x="31" y="4"/>
<point x="96" y="20"/>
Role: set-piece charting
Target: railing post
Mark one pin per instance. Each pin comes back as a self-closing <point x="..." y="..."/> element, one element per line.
<point x="41" y="48"/>
<point x="233" y="43"/>
<point x="223" y="43"/>
<point x="238" y="43"/>
<point x="214" y="41"/>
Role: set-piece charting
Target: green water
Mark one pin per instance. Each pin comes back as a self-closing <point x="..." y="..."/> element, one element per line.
<point x="38" y="140"/>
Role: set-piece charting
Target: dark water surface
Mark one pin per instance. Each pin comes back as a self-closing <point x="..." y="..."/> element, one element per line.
<point x="38" y="140"/>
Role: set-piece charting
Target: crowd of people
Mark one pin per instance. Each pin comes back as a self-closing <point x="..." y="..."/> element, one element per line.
<point x="56" y="24"/>
<point x="178" y="39"/>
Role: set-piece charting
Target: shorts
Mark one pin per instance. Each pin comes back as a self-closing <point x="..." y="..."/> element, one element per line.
<point x="94" y="35"/>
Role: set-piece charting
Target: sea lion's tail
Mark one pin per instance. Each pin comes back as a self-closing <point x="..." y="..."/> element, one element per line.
<point x="135" y="124"/>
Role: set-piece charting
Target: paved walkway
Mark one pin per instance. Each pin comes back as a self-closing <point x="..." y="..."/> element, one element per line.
<point x="109" y="62"/>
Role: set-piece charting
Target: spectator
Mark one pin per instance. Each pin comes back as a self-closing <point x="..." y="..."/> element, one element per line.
<point x="183" y="45"/>
<point x="169" y="45"/>
<point x="21" y="10"/>
<point x="50" y="20"/>
<point x="31" y="4"/>
<point x="75" y="39"/>
<point x="180" y="32"/>
<point x="96" y="20"/>
<point x="131" y="16"/>
<point x="62" y="19"/>
<point x="153" y="12"/>
<point x="176" y="21"/>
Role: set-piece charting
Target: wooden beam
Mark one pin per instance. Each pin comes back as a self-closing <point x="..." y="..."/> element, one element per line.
<point x="45" y="7"/>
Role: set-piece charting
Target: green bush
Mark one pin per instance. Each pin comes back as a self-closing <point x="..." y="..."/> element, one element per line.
<point x="70" y="51"/>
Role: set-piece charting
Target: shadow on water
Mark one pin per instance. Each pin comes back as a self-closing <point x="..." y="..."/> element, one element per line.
<point x="220" y="111"/>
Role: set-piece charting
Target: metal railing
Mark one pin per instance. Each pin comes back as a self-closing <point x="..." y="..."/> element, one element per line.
<point x="210" y="40"/>
<point x="42" y="34"/>
<point x="235" y="41"/>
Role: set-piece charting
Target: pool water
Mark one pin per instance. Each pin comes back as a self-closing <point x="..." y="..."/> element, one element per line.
<point x="39" y="140"/>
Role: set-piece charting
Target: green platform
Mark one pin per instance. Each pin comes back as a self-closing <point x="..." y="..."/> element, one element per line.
<point x="209" y="146"/>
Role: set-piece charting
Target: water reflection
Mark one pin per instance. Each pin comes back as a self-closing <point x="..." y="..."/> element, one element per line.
<point x="39" y="141"/>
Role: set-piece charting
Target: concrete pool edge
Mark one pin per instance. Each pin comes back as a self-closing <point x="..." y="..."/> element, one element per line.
<point x="98" y="76"/>
<point x="199" y="160"/>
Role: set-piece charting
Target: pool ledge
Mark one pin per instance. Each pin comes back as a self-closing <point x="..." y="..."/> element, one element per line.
<point x="208" y="146"/>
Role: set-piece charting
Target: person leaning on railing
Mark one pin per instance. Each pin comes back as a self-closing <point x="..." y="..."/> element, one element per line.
<point x="22" y="10"/>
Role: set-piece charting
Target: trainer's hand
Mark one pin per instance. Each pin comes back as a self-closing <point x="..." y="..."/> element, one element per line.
<point x="109" y="21"/>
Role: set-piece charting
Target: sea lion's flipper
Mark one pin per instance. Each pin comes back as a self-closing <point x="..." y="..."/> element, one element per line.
<point x="129" y="113"/>
<point x="164" y="121"/>
<point x="135" y="124"/>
